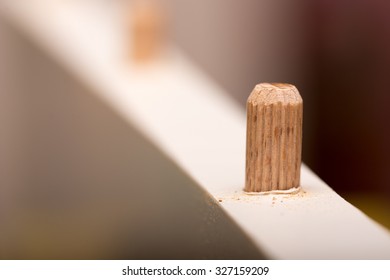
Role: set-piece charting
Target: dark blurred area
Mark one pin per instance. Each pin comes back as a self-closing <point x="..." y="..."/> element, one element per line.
<point x="338" y="55"/>
<point x="350" y="61"/>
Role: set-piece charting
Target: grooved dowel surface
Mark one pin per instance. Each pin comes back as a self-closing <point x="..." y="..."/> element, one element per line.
<point x="274" y="138"/>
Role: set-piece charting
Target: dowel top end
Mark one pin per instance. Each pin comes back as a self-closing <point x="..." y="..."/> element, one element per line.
<point x="271" y="93"/>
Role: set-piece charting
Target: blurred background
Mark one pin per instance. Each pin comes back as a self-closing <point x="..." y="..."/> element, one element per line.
<point x="337" y="53"/>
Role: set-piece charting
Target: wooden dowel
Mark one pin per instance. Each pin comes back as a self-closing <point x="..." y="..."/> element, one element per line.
<point x="147" y="29"/>
<point x="274" y="138"/>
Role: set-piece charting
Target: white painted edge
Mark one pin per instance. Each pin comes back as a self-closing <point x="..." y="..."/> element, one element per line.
<point x="206" y="137"/>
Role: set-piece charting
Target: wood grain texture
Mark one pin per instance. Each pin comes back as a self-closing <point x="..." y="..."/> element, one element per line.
<point x="274" y="138"/>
